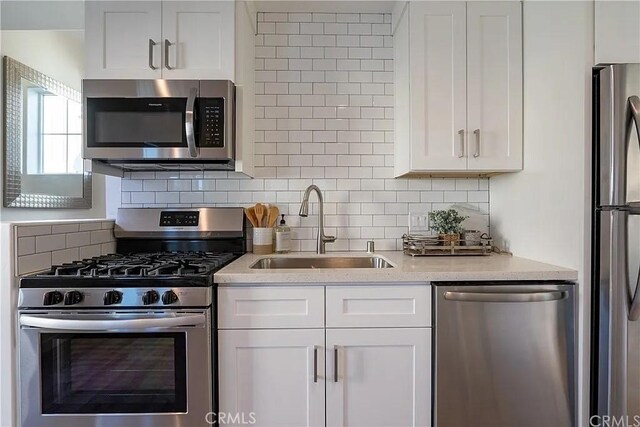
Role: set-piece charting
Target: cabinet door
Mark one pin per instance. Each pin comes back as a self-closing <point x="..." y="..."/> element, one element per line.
<point x="494" y="90"/>
<point x="268" y="375"/>
<point x="198" y="39"/>
<point x="438" y="86"/>
<point x="617" y="32"/>
<point x="383" y="377"/>
<point x="123" y="40"/>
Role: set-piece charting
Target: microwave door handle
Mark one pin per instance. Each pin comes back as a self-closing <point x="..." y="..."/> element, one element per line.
<point x="188" y="123"/>
<point x="103" y="325"/>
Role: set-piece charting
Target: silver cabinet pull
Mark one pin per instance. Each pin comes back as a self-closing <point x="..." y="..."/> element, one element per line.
<point x="315" y="364"/>
<point x="477" y="134"/>
<point x="167" y="44"/>
<point x="188" y="122"/>
<point x="151" y="46"/>
<point x="505" y="297"/>
<point x="461" y="133"/>
<point x="335" y="363"/>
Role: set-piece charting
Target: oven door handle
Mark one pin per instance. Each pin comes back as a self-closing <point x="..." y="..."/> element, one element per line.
<point x="106" y="325"/>
<point x="188" y="122"/>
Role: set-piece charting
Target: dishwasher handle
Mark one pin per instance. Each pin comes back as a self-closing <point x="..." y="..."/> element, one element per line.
<point x="536" y="296"/>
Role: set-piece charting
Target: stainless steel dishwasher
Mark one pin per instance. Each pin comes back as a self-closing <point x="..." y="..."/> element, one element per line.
<point x="505" y="354"/>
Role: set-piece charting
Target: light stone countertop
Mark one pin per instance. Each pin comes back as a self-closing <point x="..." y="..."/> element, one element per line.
<point x="406" y="270"/>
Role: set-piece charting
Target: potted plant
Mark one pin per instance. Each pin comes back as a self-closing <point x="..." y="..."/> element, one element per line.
<point x="448" y="225"/>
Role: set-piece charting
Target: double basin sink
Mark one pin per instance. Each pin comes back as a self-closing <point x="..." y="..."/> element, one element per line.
<point x="273" y="263"/>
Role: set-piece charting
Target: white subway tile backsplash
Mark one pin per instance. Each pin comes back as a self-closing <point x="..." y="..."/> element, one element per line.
<point x="35" y="230"/>
<point x="70" y="228"/>
<point x="324" y="115"/>
<point x="26" y="245"/>
<point x="64" y="256"/>
<point x="32" y="263"/>
<point x="40" y="246"/>
<point x="50" y="242"/>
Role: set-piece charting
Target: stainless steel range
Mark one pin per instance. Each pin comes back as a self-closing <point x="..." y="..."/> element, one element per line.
<point x="128" y="339"/>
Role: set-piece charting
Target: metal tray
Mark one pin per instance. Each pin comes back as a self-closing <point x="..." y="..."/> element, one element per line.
<point x="417" y="245"/>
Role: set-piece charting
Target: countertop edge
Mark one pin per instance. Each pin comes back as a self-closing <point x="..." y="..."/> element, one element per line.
<point x="407" y="271"/>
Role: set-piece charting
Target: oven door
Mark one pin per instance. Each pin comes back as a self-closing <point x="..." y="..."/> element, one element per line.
<point x="115" y="369"/>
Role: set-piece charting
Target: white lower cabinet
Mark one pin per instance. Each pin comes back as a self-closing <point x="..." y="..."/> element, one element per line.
<point x="383" y="377"/>
<point x="268" y="375"/>
<point x="367" y="364"/>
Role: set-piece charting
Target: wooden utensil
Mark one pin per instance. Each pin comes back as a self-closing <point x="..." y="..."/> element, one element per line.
<point x="251" y="214"/>
<point x="260" y="211"/>
<point x="272" y="216"/>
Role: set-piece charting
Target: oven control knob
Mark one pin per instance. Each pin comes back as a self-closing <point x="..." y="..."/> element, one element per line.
<point x="112" y="297"/>
<point x="169" y="297"/>
<point x="52" y="298"/>
<point x="72" y="297"/>
<point x="150" y="297"/>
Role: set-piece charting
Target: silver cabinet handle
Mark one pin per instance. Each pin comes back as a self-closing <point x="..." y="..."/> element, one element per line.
<point x="505" y="297"/>
<point x="461" y="133"/>
<point x="335" y="363"/>
<point x="151" y="46"/>
<point x="167" y="44"/>
<point x="188" y="122"/>
<point x="315" y="364"/>
<point x="477" y="134"/>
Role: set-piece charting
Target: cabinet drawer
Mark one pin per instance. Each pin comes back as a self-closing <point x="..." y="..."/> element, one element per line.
<point x="378" y="306"/>
<point x="271" y="307"/>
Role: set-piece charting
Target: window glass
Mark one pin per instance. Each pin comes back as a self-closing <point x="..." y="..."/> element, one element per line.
<point x="54" y="114"/>
<point x="59" y="135"/>
<point x="74" y="118"/>
<point x="54" y="154"/>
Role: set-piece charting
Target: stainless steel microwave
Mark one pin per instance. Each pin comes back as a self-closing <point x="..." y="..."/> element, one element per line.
<point x="159" y="124"/>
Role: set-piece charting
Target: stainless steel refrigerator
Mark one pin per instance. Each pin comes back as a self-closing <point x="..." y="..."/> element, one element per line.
<point x="615" y="356"/>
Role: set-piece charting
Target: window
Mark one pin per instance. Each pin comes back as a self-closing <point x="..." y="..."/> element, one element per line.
<point x="54" y="133"/>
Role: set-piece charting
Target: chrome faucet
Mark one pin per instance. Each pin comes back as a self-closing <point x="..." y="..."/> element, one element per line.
<point x="304" y="212"/>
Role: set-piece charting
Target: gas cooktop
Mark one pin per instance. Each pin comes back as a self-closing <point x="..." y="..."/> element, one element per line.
<point x="133" y="270"/>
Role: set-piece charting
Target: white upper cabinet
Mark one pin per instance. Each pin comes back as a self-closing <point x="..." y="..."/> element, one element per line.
<point x="153" y="39"/>
<point x="198" y="39"/>
<point x="438" y="83"/>
<point x="123" y="40"/>
<point x="617" y="32"/>
<point x="458" y="87"/>
<point x="494" y="86"/>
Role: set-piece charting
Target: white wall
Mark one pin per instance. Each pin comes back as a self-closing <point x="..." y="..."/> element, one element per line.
<point x="42" y="15"/>
<point x="60" y="55"/>
<point x="542" y="212"/>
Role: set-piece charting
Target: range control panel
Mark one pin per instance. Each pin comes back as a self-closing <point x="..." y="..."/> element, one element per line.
<point x="179" y="219"/>
<point x="211" y="122"/>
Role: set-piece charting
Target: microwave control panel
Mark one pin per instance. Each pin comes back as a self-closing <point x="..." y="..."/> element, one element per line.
<point x="211" y="122"/>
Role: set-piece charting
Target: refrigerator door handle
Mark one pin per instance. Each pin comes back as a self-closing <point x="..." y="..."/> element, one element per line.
<point x="620" y="240"/>
<point x="634" y="310"/>
<point x="634" y="111"/>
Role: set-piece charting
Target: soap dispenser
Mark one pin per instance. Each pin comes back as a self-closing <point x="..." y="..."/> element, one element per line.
<point x="283" y="237"/>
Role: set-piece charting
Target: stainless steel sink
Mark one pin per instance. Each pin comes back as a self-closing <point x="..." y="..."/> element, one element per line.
<point x="321" y="262"/>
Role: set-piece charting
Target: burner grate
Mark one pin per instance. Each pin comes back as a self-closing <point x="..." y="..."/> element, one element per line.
<point x="156" y="264"/>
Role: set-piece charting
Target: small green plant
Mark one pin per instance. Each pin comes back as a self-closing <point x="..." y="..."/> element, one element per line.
<point x="446" y="221"/>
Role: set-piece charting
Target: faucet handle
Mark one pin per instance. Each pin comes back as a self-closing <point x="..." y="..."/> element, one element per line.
<point x="328" y="239"/>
